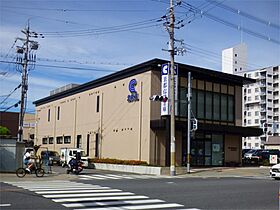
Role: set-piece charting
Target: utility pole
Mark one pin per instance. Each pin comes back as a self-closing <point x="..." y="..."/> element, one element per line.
<point x="189" y="95"/>
<point x="24" y="59"/>
<point x="172" y="95"/>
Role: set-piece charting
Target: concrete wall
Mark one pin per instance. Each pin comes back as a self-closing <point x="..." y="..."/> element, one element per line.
<point x="11" y="155"/>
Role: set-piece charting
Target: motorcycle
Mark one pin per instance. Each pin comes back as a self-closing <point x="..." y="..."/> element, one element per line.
<point x="74" y="167"/>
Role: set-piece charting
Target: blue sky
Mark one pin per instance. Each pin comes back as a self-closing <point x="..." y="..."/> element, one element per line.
<point x="104" y="36"/>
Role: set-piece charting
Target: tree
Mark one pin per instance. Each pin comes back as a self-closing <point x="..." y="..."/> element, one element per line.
<point x="4" y="131"/>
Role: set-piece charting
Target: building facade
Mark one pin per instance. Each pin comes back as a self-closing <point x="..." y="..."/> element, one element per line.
<point x="261" y="104"/>
<point x="234" y="59"/>
<point x="260" y="99"/>
<point x="112" y="117"/>
<point x="10" y="120"/>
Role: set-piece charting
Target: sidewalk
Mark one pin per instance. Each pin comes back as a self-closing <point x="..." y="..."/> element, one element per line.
<point x="262" y="171"/>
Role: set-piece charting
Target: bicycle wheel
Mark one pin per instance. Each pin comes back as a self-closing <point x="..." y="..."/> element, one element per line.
<point x="20" y="172"/>
<point x="39" y="172"/>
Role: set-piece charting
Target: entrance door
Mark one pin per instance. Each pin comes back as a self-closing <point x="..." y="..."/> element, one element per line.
<point x="217" y="150"/>
<point x="197" y="153"/>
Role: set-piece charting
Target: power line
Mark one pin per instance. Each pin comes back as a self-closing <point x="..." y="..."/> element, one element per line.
<point x="244" y="14"/>
<point x="10" y="94"/>
<point x="65" y="67"/>
<point x="81" y="62"/>
<point x="229" y="24"/>
<point x="15" y="105"/>
<point x="77" y="10"/>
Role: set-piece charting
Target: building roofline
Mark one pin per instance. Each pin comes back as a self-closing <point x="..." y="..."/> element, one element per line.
<point x="154" y="64"/>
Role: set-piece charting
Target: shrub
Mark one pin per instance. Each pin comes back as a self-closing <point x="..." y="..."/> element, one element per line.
<point x="4" y="131"/>
<point x="116" y="161"/>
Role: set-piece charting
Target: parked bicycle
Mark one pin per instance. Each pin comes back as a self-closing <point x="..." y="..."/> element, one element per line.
<point x="21" y="172"/>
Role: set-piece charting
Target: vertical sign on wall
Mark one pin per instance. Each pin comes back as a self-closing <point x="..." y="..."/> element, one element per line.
<point x="165" y="87"/>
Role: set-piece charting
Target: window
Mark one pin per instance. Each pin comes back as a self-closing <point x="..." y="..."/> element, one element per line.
<point x="58" y="112"/>
<point x="249" y="114"/>
<point x="208" y="105"/>
<point x="256" y="97"/>
<point x="230" y="108"/>
<point x="256" y="121"/>
<point x="256" y="90"/>
<point x="45" y="141"/>
<point x="194" y="101"/>
<point x="249" y="122"/>
<point x="96" y="145"/>
<point x="97" y="103"/>
<point x="235" y="55"/>
<point x="79" y="141"/>
<point x="249" y="90"/>
<point x="216" y="105"/>
<point x="59" y="140"/>
<point x="224" y="107"/>
<point x="50" y="140"/>
<point x="249" y="75"/>
<point x="183" y="102"/>
<point x="257" y="74"/>
<point x="235" y="62"/>
<point x="256" y="113"/>
<point x="249" y="98"/>
<point x="200" y="104"/>
<point x="67" y="139"/>
<point x="269" y="84"/>
<point x="257" y="145"/>
<point x="49" y="115"/>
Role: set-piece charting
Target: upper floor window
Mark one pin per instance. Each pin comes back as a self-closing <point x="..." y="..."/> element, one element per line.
<point x="59" y="140"/>
<point x="58" y="112"/>
<point x="50" y="140"/>
<point x="67" y="139"/>
<point x="97" y="103"/>
<point x="49" y="115"/>
<point x="45" y="141"/>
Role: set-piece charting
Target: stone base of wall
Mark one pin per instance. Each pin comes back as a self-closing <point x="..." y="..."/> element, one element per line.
<point x="153" y="170"/>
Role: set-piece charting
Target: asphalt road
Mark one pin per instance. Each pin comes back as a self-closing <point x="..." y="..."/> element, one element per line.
<point x="167" y="193"/>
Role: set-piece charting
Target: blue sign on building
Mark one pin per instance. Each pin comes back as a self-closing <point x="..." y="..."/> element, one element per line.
<point x="133" y="94"/>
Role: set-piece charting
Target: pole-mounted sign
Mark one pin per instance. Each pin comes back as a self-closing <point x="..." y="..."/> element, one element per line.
<point x="165" y="88"/>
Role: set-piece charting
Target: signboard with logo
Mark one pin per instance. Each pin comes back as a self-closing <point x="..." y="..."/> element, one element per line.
<point x="133" y="93"/>
<point x="272" y="159"/>
<point x="165" y="87"/>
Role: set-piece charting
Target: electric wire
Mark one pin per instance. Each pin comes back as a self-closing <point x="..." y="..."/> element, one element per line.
<point x="229" y="24"/>
<point x="65" y="67"/>
<point x="10" y="94"/>
<point x="244" y="14"/>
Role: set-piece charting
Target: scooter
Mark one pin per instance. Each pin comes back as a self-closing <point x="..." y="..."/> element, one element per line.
<point x="75" y="167"/>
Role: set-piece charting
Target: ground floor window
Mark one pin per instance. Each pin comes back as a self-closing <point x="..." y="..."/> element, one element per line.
<point x="207" y="150"/>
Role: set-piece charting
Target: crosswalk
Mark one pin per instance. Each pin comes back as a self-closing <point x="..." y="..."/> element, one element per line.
<point x="120" y="176"/>
<point x="89" y="197"/>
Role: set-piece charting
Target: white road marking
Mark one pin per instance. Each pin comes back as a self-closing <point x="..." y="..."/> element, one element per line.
<point x="86" y="195"/>
<point x="111" y="203"/>
<point x="79" y="191"/>
<point x="5" y="205"/>
<point x="100" y="198"/>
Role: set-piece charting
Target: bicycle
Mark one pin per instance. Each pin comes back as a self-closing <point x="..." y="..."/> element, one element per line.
<point x="21" y="172"/>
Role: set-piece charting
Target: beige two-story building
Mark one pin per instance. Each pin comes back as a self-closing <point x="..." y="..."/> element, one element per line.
<point x="112" y="117"/>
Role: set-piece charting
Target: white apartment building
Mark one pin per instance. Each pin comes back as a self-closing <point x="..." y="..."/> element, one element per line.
<point x="260" y="100"/>
<point x="234" y="60"/>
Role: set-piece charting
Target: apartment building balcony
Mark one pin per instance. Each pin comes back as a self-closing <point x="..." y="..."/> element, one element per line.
<point x="262" y="85"/>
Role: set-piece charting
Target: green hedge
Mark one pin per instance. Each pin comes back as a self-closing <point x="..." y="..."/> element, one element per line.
<point x="116" y="161"/>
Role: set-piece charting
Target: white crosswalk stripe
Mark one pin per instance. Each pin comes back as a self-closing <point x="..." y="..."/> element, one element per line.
<point x="120" y="176"/>
<point x="87" y="196"/>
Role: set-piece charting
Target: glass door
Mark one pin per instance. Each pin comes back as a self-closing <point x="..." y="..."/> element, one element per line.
<point x="217" y="150"/>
